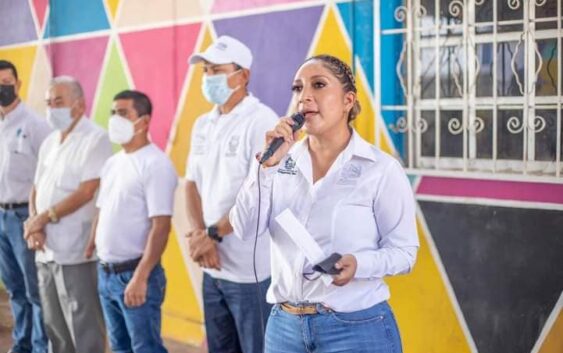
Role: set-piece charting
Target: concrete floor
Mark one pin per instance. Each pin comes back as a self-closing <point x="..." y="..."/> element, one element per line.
<point x="6" y="331"/>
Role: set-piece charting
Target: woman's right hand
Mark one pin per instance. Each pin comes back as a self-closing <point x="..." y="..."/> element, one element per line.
<point x="283" y="129"/>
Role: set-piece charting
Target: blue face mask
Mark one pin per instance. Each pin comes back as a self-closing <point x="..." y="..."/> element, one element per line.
<point x="216" y="89"/>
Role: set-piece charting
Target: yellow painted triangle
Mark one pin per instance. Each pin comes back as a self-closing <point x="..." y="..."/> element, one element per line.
<point x="182" y="315"/>
<point x="332" y="40"/>
<point x="23" y="58"/>
<point x="553" y="342"/>
<point x="194" y="105"/>
<point x="424" y="311"/>
<point x="112" y="6"/>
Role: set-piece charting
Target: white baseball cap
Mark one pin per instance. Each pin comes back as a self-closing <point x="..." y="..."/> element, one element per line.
<point x="225" y="50"/>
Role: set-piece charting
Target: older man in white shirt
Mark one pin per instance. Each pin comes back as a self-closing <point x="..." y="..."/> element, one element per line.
<point x="62" y="203"/>
<point x="21" y="134"/>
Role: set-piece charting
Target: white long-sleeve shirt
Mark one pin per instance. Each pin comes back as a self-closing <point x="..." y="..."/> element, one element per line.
<point x="363" y="206"/>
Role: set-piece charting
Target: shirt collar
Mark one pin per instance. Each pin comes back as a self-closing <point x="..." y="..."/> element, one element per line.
<point x="82" y="125"/>
<point x="357" y="147"/>
<point x="15" y="115"/>
<point x="241" y="108"/>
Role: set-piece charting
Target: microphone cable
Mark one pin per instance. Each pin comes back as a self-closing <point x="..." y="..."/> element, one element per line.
<point x="258" y="289"/>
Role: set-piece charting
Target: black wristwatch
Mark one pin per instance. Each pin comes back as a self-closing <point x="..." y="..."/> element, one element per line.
<point x="213" y="233"/>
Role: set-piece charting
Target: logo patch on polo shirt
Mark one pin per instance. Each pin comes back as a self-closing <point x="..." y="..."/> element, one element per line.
<point x="198" y="146"/>
<point x="288" y="167"/>
<point x="350" y="174"/>
<point x="232" y="146"/>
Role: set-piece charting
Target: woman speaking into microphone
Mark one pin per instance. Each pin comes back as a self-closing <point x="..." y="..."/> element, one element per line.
<point x="353" y="200"/>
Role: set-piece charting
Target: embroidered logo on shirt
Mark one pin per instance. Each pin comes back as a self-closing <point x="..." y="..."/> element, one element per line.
<point x="350" y="174"/>
<point x="199" y="144"/>
<point x="232" y="146"/>
<point x="288" y="167"/>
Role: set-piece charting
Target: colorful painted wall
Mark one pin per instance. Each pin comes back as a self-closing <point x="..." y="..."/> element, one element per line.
<point x="488" y="277"/>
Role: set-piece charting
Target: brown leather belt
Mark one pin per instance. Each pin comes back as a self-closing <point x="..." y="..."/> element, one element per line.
<point x="302" y="309"/>
<point x="120" y="267"/>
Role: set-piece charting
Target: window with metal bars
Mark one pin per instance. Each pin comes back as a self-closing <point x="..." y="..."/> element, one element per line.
<point x="477" y="85"/>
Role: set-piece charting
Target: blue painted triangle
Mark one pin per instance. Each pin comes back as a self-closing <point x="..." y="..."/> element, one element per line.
<point x="17" y="22"/>
<point x="275" y="60"/>
<point x="68" y="17"/>
<point x="358" y="20"/>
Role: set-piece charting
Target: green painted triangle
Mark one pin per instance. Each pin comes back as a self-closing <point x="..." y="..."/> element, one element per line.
<point x="113" y="82"/>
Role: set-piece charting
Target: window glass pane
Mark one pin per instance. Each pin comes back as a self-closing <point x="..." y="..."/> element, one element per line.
<point x="507" y="82"/>
<point x="546" y="9"/>
<point x="452" y="65"/>
<point x="428" y="137"/>
<point x="484" y="11"/>
<point x="484" y="133"/>
<point x="510" y="135"/>
<point x="428" y="73"/>
<point x="510" y="10"/>
<point x="451" y="133"/>
<point x="545" y="125"/>
<point x="546" y="84"/>
<point x="485" y="76"/>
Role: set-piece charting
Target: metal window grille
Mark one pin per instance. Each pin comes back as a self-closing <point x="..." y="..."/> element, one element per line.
<point x="481" y="86"/>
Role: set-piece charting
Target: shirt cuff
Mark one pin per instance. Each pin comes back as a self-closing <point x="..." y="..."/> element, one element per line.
<point x="364" y="263"/>
<point x="265" y="174"/>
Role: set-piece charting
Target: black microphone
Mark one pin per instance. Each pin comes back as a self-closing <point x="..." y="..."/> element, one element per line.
<point x="298" y="120"/>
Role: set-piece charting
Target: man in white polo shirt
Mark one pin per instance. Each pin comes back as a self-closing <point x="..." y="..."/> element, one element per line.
<point x="21" y="134"/>
<point x="224" y="142"/>
<point x="62" y="210"/>
<point x="135" y="207"/>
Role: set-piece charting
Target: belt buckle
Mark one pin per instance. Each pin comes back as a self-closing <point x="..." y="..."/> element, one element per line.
<point x="106" y="267"/>
<point x="307" y="310"/>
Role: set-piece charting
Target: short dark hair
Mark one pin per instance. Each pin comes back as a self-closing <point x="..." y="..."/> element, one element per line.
<point x="141" y="101"/>
<point x="5" y="64"/>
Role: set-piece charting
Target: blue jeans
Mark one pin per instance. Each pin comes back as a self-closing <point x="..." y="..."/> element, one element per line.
<point x="372" y="330"/>
<point x="132" y="330"/>
<point x="18" y="272"/>
<point x="232" y="315"/>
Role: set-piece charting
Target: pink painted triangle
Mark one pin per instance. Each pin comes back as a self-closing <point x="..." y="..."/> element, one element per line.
<point x="40" y="9"/>
<point x="81" y="59"/>
<point x="158" y="62"/>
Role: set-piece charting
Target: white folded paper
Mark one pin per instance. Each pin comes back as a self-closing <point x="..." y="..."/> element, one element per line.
<point x="303" y="239"/>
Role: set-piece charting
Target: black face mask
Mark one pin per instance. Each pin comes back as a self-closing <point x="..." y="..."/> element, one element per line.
<point x="7" y="95"/>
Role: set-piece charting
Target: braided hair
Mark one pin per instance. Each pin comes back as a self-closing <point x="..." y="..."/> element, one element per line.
<point x="344" y="74"/>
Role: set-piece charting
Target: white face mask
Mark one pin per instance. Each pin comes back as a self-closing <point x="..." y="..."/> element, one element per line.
<point x="59" y="118"/>
<point x="121" y="130"/>
<point x="216" y="89"/>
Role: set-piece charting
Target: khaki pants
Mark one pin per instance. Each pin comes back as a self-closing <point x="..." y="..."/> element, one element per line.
<point x="71" y="307"/>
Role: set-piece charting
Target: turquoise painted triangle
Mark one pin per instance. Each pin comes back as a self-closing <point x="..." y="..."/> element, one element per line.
<point x="412" y="178"/>
<point x="68" y="17"/>
<point x="358" y="20"/>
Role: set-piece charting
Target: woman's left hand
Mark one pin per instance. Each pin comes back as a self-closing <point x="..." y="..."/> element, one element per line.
<point x="348" y="264"/>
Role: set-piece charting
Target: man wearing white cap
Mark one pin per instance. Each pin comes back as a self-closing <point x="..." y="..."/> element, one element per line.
<point x="224" y="142"/>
